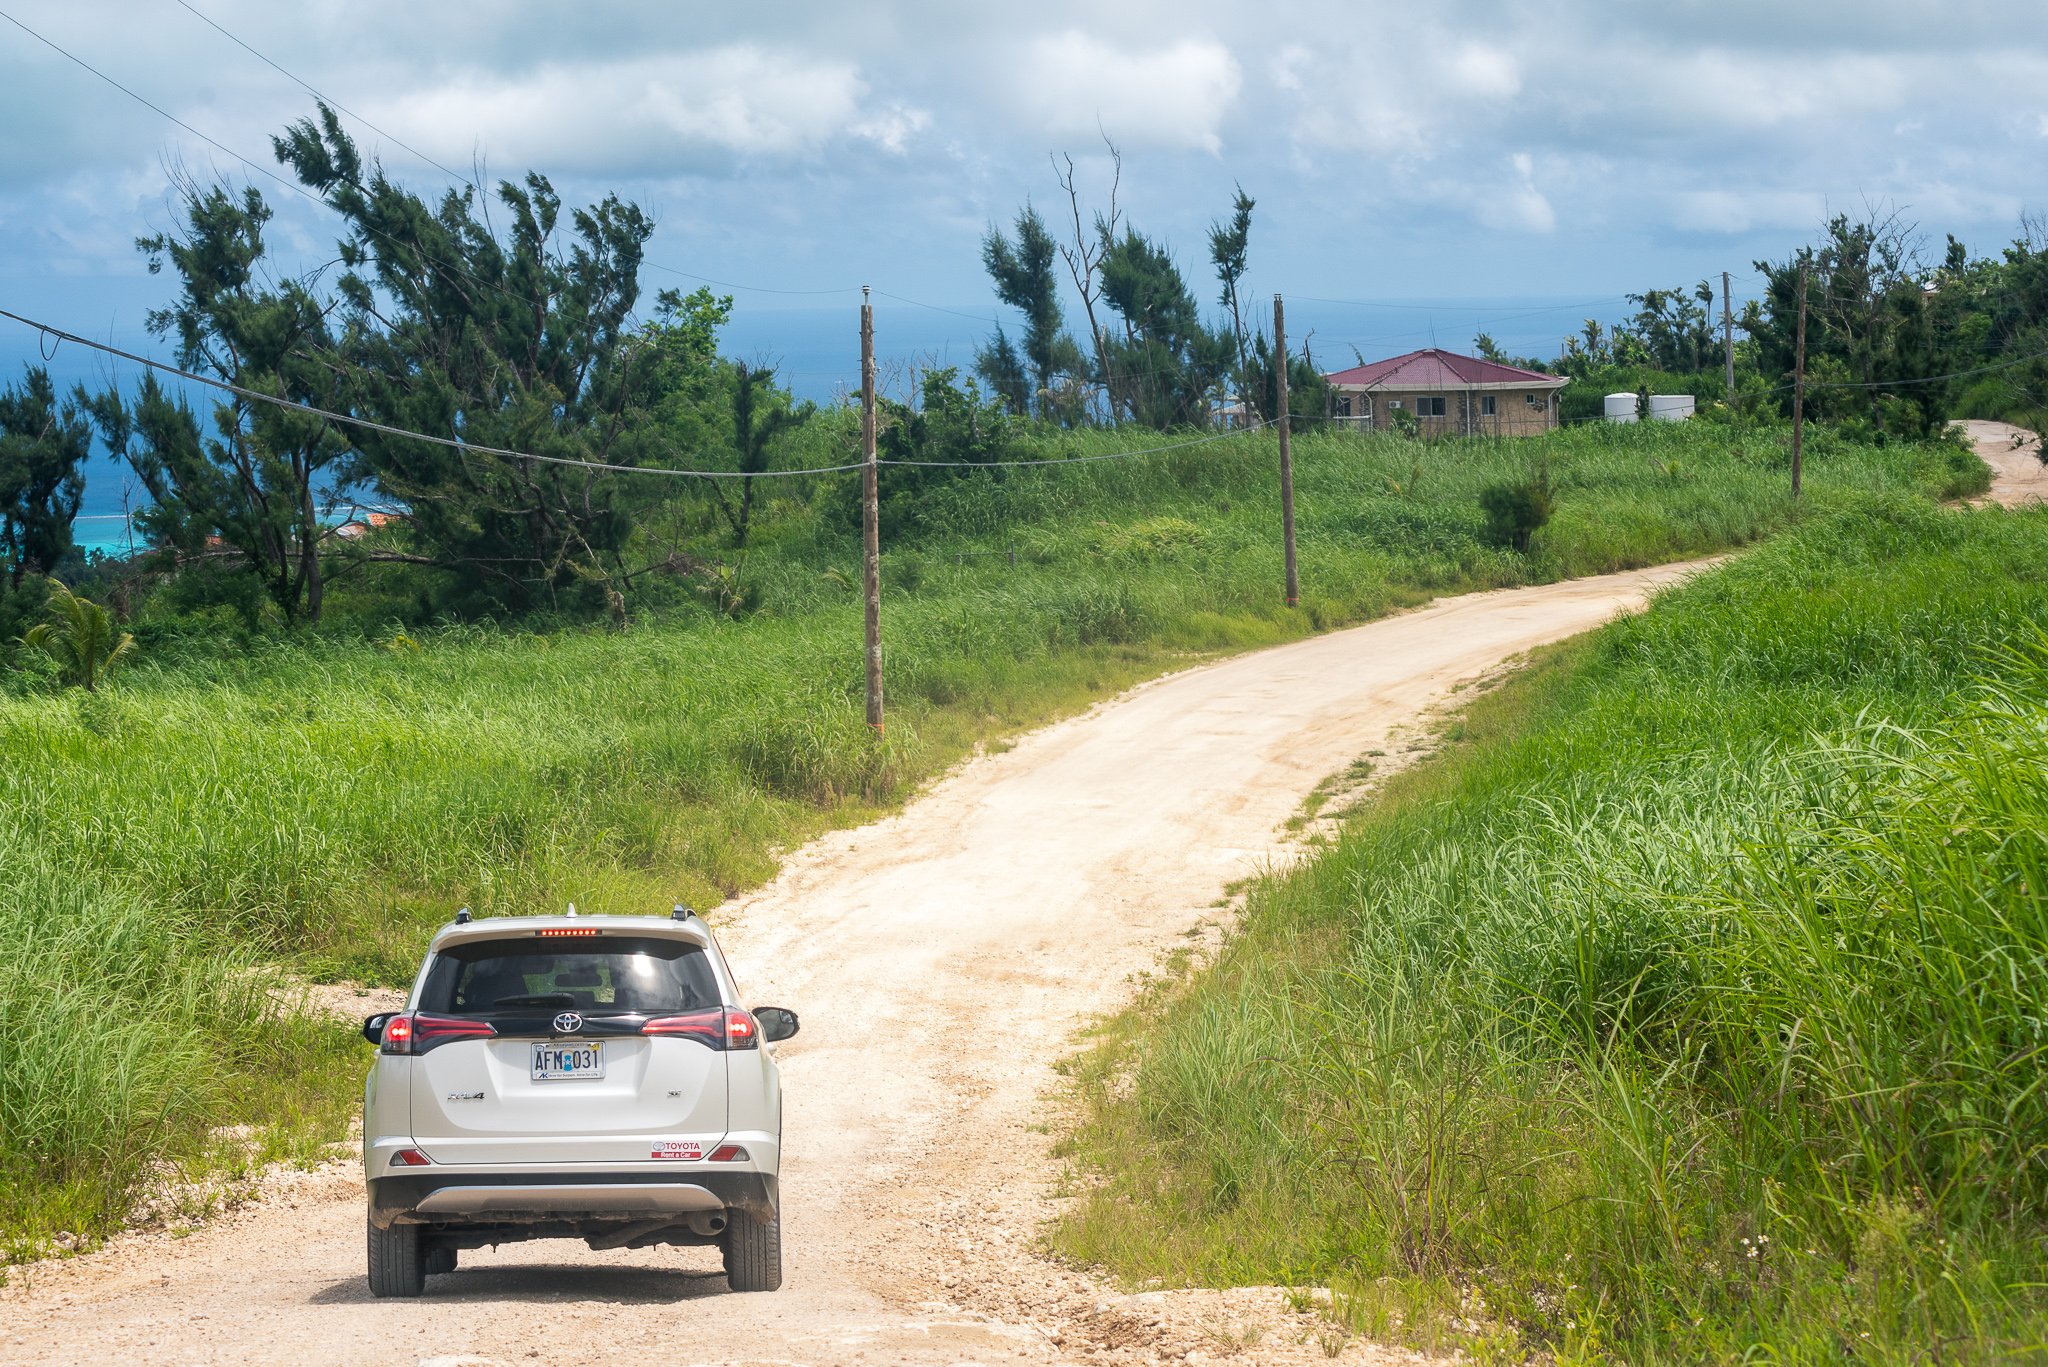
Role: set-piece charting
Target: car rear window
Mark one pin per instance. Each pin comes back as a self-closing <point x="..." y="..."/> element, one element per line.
<point x="622" y="975"/>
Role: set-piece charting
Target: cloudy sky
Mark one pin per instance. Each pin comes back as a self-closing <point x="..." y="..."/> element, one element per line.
<point x="1436" y="168"/>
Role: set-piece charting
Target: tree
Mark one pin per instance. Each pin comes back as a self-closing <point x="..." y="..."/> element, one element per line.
<point x="80" y="637"/>
<point x="1025" y="280"/>
<point x="42" y="447"/>
<point x="953" y="435"/>
<point x="519" y="342"/>
<point x="1167" y="363"/>
<point x="1675" y="328"/>
<point x="1084" y="258"/>
<point x="1229" y="252"/>
<point x="252" y="485"/>
<point x="753" y="428"/>
<point x="999" y="364"/>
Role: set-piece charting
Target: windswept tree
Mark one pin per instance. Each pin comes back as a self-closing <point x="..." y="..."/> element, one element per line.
<point x="517" y="341"/>
<point x="248" y="478"/>
<point x="759" y="415"/>
<point x="1167" y="363"/>
<point x="1867" y="322"/>
<point x="1230" y="253"/>
<point x="43" y="447"/>
<point x="1026" y="279"/>
<point x="1676" y="328"/>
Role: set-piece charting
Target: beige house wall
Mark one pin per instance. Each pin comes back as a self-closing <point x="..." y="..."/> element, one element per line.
<point x="1464" y="410"/>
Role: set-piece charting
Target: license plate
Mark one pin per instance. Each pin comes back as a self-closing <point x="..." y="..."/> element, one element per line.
<point x="571" y="1062"/>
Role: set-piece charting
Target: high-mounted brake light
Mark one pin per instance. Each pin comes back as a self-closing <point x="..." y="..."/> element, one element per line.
<point x="419" y="1032"/>
<point x="413" y="1158"/>
<point x="553" y="932"/>
<point x="728" y="1153"/>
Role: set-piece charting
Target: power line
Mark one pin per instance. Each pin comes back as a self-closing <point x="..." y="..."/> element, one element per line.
<point x="1457" y="308"/>
<point x="322" y="98"/>
<point x="331" y="416"/>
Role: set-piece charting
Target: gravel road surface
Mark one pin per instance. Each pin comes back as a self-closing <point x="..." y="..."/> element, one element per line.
<point x="942" y="961"/>
<point x="2017" y="474"/>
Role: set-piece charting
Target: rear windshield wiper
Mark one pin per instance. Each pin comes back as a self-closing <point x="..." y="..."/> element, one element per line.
<point x="538" y="999"/>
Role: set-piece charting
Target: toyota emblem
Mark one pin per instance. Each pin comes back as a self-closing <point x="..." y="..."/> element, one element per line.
<point x="568" y="1023"/>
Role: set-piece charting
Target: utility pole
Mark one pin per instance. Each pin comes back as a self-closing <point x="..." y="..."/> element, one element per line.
<point x="1799" y="384"/>
<point x="1728" y="337"/>
<point x="870" y="512"/>
<point x="1286" y="455"/>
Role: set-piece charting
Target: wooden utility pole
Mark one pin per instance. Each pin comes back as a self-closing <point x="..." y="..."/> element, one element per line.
<point x="1286" y="455"/>
<point x="1799" y="384"/>
<point x="1728" y="337"/>
<point x="870" y="511"/>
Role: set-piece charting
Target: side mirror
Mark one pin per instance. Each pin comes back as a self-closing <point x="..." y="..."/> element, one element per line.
<point x="778" y="1023"/>
<point x="373" y="1028"/>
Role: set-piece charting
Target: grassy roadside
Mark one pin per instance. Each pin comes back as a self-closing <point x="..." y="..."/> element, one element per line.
<point x="1690" y="1012"/>
<point x="321" y="801"/>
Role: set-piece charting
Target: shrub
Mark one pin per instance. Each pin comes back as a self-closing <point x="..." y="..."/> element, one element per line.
<point x="1515" y="512"/>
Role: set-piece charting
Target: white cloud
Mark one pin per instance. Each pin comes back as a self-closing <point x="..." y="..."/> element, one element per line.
<point x="669" y="112"/>
<point x="1173" y="97"/>
<point x="1520" y="205"/>
<point x="1739" y="211"/>
<point x="1487" y="72"/>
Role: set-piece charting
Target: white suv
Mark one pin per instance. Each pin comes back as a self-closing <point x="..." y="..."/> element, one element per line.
<point x="586" y="1077"/>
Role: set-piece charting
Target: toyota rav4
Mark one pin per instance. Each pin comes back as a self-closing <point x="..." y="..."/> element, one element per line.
<point x="586" y="1077"/>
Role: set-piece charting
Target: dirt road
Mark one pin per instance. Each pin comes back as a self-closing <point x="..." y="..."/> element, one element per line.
<point x="942" y="962"/>
<point x="2017" y="474"/>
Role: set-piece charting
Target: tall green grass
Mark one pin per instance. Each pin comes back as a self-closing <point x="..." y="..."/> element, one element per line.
<point x="131" y="1035"/>
<point x="1695" y="1013"/>
<point x="322" y="800"/>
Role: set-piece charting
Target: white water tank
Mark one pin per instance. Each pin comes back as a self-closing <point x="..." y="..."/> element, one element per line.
<point x="1663" y="407"/>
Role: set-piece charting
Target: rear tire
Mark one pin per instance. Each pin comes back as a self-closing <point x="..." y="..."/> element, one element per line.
<point x="753" y="1253"/>
<point x="398" y="1265"/>
<point x="439" y="1261"/>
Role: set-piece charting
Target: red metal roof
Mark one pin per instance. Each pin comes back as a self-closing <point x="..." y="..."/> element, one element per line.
<point x="1433" y="369"/>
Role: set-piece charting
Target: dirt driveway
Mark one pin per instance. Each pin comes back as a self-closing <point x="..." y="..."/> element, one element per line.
<point x="2017" y="474"/>
<point x="942" y="961"/>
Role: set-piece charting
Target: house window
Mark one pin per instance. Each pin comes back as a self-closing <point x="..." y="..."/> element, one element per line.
<point x="1534" y="401"/>
<point x="1486" y="409"/>
<point x="1432" y="407"/>
<point x="1344" y="406"/>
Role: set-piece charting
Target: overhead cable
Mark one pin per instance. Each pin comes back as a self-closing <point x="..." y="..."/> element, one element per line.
<point x="320" y="97"/>
<point x="474" y="448"/>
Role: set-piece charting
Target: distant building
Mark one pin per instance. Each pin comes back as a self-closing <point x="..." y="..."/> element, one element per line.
<point x="356" y="531"/>
<point x="1450" y="395"/>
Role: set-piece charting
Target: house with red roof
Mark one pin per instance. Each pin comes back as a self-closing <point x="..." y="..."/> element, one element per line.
<point x="1450" y="395"/>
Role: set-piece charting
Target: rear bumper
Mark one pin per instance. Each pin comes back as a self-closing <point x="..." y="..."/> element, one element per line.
<point x="453" y="1196"/>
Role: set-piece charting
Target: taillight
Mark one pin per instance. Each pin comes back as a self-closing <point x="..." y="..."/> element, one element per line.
<point x="739" y="1030"/>
<point x="719" y="1028"/>
<point x="410" y="1158"/>
<point x="728" y="1153"/>
<point x="701" y="1026"/>
<point x="419" y="1032"/>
